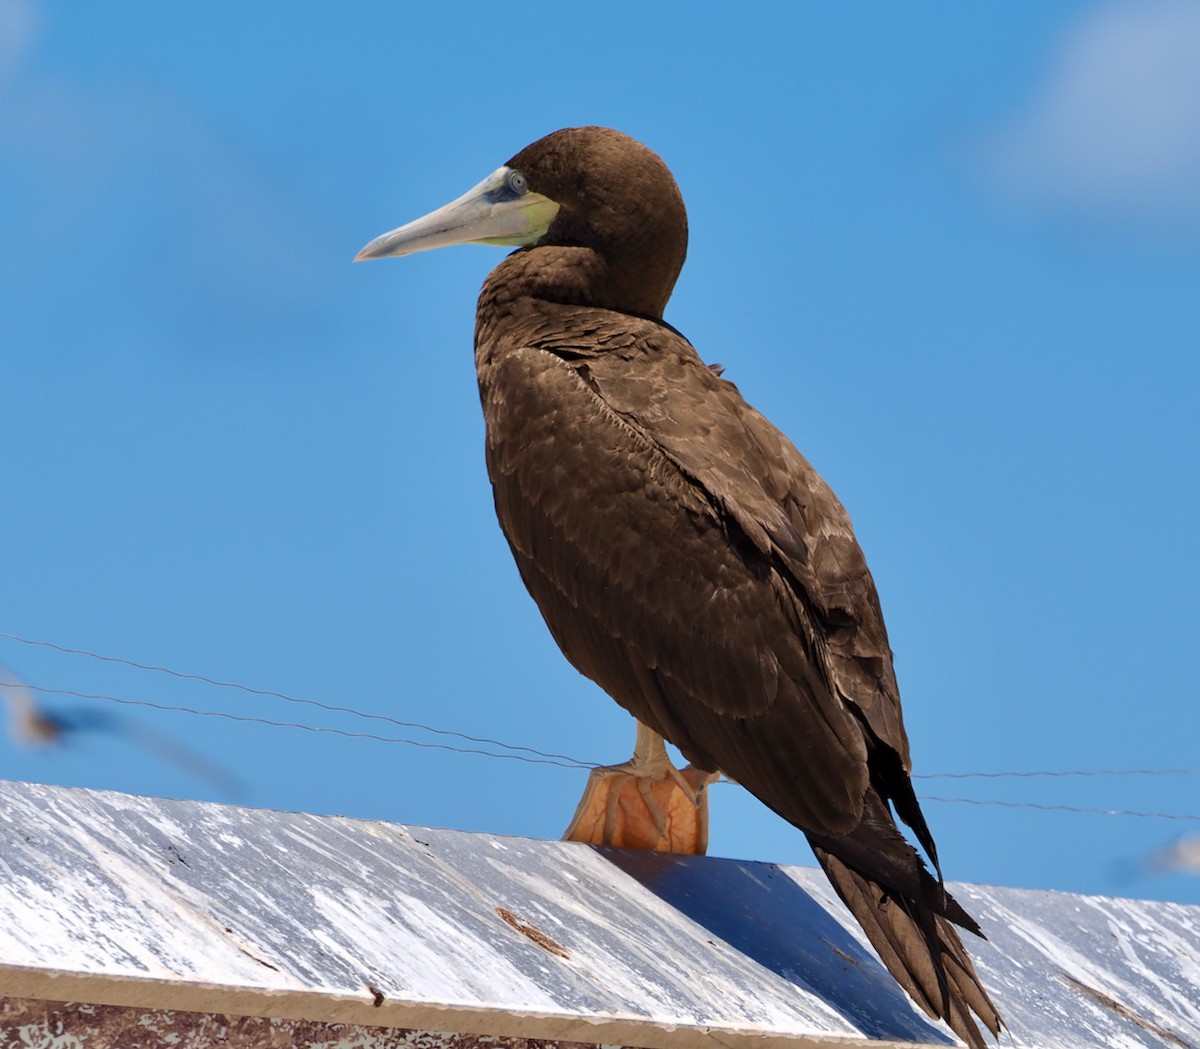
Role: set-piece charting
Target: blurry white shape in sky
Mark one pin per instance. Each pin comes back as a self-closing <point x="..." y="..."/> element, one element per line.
<point x="131" y="170"/>
<point x="18" y="24"/>
<point x="1181" y="856"/>
<point x="1113" y="130"/>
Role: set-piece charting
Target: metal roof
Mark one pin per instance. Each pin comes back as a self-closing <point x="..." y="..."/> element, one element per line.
<point x="121" y="900"/>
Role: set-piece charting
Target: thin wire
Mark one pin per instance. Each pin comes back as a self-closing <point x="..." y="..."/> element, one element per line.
<point x="331" y="708"/>
<point x="1062" y="808"/>
<point x="573" y="761"/>
<point x="543" y="757"/>
<point x="1070" y="772"/>
<point x="568" y="764"/>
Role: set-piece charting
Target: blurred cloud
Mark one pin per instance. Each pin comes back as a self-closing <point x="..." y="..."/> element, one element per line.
<point x="18" y="27"/>
<point x="199" y="242"/>
<point x="1113" y="132"/>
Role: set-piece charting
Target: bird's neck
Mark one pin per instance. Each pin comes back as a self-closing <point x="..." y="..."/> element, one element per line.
<point x="568" y="276"/>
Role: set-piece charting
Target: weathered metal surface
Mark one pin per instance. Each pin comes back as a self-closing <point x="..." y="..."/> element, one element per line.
<point x="121" y="900"/>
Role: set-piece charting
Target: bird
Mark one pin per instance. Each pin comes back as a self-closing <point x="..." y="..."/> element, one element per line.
<point x="31" y="724"/>
<point x="683" y="553"/>
<point x="1181" y="856"/>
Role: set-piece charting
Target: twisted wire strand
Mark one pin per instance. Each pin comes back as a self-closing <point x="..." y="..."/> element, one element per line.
<point x="320" y="729"/>
<point x="271" y="694"/>
<point x="1063" y="808"/>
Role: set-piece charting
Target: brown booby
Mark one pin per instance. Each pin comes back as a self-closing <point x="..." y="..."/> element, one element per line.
<point x="685" y="556"/>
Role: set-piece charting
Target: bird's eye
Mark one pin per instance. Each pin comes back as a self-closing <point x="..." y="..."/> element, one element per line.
<point x="517" y="182"/>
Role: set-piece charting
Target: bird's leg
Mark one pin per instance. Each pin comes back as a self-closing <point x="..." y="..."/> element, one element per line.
<point x="645" y="803"/>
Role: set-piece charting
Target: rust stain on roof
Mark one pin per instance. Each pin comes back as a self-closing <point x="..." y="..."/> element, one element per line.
<point x="527" y="928"/>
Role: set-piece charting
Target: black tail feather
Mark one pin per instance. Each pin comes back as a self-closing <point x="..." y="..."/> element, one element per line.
<point x="907" y="915"/>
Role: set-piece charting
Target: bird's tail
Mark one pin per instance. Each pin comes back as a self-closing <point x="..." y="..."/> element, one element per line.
<point x="907" y="916"/>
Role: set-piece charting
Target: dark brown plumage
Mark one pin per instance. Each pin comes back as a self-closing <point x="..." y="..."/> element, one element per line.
<point x="685" y="556"/>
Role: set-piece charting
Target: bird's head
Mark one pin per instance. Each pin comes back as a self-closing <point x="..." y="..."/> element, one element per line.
<point x="588" y="188"/>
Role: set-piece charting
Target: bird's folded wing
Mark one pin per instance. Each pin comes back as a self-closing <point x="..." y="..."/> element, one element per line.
<point x="653" y="379"/>
<point x="674" y="579"/>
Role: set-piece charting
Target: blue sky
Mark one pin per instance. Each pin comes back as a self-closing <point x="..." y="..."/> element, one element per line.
<point x="952" y="250"/>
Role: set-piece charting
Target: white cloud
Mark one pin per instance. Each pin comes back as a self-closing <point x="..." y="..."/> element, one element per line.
<point x="18" y="27"/>
<point x="1113" y="133"/>
<point x="199" y="239"/>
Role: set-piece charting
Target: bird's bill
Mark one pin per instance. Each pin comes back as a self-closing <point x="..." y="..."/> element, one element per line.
<point x="488" y="214"/>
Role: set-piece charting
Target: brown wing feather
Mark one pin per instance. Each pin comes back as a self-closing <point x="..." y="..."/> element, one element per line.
<point x="781" y="503"/>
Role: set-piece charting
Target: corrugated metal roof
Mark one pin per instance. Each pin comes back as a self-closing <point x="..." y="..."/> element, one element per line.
<point x="123" y="900"/>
